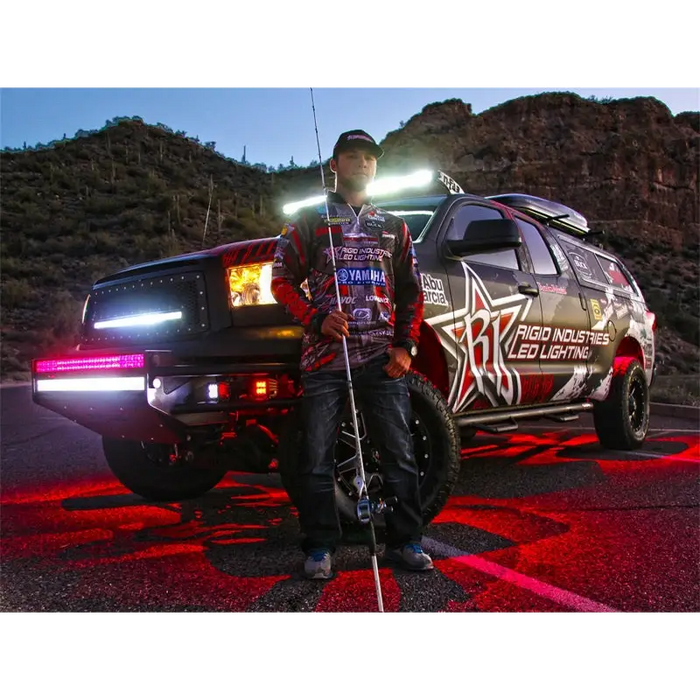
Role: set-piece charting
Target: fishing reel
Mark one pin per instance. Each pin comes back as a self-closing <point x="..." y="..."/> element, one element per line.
<point x="366" y="508"/>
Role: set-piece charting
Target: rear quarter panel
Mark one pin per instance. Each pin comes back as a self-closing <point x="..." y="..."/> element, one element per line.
<point x="616" y="307"/>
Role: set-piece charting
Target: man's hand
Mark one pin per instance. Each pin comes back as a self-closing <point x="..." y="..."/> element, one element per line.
<point x="336" y="325"/>
<point x="399" y="362"/>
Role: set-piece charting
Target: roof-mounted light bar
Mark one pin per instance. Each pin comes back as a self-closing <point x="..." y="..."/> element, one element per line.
<point x="387" y="185"/>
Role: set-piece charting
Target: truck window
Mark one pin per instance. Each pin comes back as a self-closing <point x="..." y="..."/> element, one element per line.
<point x="615" y="276"/>
<point x="542" y="259"/>
<point x="584" y="263"/>
<point x="474" y="212"/>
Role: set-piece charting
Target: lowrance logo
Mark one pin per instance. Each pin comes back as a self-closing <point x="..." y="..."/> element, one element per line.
<point x="361" y="275"/>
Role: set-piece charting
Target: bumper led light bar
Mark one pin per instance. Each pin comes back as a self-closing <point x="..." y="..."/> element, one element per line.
<point x="88" y="363"/>
<point x="92" y="384"/>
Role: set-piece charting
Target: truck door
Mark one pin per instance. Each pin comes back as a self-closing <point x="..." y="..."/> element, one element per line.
<point x="492" y="296"/>
<point x="609" y="296"/>
<point x="563" y="344"/>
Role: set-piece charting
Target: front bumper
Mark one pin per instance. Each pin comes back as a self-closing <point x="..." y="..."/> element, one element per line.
<point x="163" y="400"/>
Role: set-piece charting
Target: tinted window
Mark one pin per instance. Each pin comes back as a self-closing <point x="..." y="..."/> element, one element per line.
<point x="503" y="258"/>
<point x="615" y="276"/>
<point x="458" y="226"/>
<point x="542" y="259"/>
<point x="584" y="262"/>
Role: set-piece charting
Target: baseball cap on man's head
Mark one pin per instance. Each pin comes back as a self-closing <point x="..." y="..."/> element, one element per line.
<point x="356" y="139"/>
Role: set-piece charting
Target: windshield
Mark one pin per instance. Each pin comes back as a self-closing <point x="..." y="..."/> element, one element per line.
<point x="415" y="220"/>
<point x="417" y="212"/>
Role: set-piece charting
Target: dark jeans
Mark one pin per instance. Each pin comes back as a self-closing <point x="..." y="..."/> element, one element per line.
<point x="386" y="408"/>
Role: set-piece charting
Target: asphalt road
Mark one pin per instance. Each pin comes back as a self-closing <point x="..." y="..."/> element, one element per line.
<point x="541" y="520"/>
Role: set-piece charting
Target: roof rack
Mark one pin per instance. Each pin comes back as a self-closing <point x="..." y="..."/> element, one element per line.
<point x="553" y="214"/>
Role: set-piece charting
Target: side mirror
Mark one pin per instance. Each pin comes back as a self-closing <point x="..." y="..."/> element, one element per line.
<point x="488" y="236"/>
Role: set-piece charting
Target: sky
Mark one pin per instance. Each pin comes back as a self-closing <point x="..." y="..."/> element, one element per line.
<point x="273" y="124"/>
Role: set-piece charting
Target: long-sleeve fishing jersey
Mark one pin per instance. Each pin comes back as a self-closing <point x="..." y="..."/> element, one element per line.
<point x="378" y="276"/>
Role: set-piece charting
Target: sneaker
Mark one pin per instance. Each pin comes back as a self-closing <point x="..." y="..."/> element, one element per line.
<point x="318" y="564"/>
<point x="410" y="556"/>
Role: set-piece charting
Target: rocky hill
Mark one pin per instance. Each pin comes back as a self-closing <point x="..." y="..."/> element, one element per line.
<point x="133" y="192"/>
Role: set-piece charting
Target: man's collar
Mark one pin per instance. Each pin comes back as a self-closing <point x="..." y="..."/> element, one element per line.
<point x="338" y="198"/>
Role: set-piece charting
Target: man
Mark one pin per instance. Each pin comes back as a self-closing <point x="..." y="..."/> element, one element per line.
<point x="382" y="308"/>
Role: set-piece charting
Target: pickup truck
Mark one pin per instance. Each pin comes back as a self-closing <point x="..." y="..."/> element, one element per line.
<point x="188" y="368"/>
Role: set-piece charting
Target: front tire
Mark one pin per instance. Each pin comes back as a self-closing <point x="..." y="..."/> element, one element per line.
<point x="622" y="420"/>
<point x="148" y="471"/>
<point x="436" y="447"/>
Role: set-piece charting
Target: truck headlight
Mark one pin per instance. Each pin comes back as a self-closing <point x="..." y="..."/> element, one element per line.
<point x="249" y="285"/>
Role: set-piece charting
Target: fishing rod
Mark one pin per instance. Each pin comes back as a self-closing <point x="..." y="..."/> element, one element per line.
<point x="364" y="507"/>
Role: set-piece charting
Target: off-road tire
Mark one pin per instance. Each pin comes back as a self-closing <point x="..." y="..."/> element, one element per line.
<point x="622" y="420"/>
<point x="440" y="470"/>
<point x="146" y="470"/>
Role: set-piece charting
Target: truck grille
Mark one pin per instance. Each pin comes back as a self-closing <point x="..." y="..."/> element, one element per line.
<point x="128" y="302"/>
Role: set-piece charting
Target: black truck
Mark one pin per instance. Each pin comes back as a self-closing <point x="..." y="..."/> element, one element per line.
<point x="188" y="368"/>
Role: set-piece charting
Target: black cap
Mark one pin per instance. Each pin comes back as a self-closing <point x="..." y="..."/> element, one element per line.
<point x="357" y="139"/>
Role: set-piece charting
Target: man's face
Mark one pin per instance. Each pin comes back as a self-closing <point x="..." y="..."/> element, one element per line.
<point x="355" y="169"/>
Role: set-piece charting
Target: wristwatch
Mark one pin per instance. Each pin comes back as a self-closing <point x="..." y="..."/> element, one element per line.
<point x="409" y="346"/>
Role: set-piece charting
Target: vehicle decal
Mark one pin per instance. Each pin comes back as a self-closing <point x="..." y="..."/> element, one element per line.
<point x="552" y="288"/>
<point x="600" y="393"/>
<point x="581" y="265"/>
<point x="250" y="253"/>
<point x="576" y="384"/>
<point x="483" y="329"/>
<point x="433" y="290"/>
<point x="642" y="333"/>
<point x="450" y="184"/>
<point x="614" y="307"/>
<point x="613" y="273"/>
<point x="546" y="343"/>
<point x="559" y="254"/>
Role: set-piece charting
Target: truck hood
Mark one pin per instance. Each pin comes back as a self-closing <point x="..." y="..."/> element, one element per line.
<point x="239" y="253"/>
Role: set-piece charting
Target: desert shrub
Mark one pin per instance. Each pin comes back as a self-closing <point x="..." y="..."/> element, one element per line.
<point x="16" y="292"/>
<point x="65" y="314"/>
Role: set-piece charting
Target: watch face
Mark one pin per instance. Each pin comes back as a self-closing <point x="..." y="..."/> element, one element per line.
<point x="413" y="351"/>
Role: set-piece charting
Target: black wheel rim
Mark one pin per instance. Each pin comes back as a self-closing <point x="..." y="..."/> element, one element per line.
<point x="346" y="450"/>
<point x="636" y="404"/>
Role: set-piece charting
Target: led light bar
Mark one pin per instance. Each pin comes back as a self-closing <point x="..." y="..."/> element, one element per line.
<point x="383" y="186"/>
<point x="88" y="363"/>
<point x="92" y="384"/>
<point x="140" y="320"/>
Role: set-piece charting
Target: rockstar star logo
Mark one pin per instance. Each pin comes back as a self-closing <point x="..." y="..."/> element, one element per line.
<point x="479" y="336"/>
